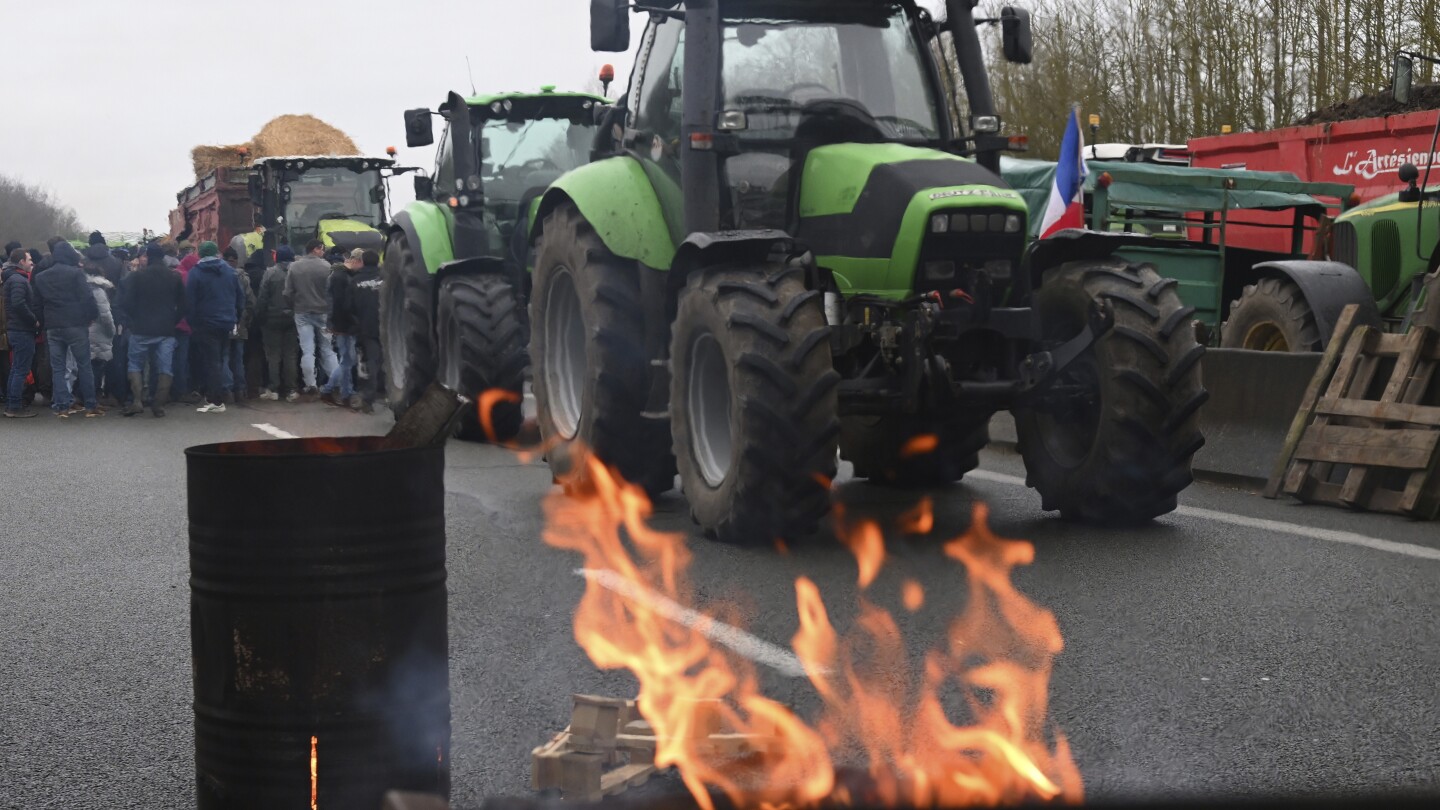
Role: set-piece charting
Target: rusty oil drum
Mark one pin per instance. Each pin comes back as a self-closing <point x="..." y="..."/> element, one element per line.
<point x="318" y="622"/>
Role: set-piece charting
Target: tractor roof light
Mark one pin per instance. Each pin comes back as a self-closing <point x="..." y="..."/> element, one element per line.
<point x="391" y="151"/>
<point x="454" y="203"/>
<point x="1104" y="180"/>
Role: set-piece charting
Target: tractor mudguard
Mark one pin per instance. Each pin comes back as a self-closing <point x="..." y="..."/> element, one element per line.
<point x="1075" y="245"/>
<point x="427" y="227"/>
<point x="725" y="247"/>
<point x="619" y="201"/>
<point x="1328" y="288"/>
<point x="474" y="266"/>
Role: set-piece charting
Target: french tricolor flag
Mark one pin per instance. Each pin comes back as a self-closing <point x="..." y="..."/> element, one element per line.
<point x="1066" y="208"/>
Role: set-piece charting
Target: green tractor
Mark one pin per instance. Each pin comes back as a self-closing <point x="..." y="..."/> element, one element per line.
<point x="794" y="250"/>
<point x="338" y="200"/>
<point x="454" y="272"/>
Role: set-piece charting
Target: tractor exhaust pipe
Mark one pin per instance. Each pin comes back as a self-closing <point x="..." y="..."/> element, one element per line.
<point x="960" y="18"/>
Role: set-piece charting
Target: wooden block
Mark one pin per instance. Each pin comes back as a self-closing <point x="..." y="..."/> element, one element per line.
<point x="1396" y="449"/>
<point x="580" y="776"/>
<point x="594" y="722"/>
<point x="545" y="763"/>
<point x="1425" y="415"/>
<point x="626" y="777"/>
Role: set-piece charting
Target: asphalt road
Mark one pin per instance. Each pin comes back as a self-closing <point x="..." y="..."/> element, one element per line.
<point x="1211" y="654"/>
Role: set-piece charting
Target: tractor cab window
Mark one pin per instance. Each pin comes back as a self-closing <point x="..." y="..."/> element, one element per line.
<point x="857" y="61"/>
<point x="333" y="192"/>
<point x="444" y="167"/>
<point x="658" y="104"/>
<point x="517" y="156"/>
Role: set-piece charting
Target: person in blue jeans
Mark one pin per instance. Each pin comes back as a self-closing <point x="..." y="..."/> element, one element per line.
<point x="153" y="299"/>
<point x="306" y="295"/>
<point x="21" y="327"/>
<point x="344" y="319"/>
<point x="213" y="305"/>
<point x="67" y="308"/>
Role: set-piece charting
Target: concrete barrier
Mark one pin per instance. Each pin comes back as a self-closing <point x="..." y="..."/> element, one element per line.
<point x="1253" y="399"/>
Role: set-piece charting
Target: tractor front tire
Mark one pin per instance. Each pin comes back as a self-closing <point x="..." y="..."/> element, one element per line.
<point x="1119" y="450"/>
<point x="482" y="348"/>
<point x="898" y="450"/>
<point x="1272" y="315"/>
<point x="753" y="404"/>
<point x="405" y="325"/>
<point x="590" y="369"/>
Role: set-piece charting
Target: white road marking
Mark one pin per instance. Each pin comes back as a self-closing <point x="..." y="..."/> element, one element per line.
<point x="1328" y="535"/>
<point x="756" y="649"/>
<point x="274" y="431"/>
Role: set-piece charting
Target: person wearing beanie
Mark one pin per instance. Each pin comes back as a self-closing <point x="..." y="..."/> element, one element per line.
<point x="233" y="369"/>
<point x="67" y="308"/>
<point x="307" y="292"/>
<point x="22" y="324"/>
<point x="214" y="305"/>
<point x="153" y="299"/>
<point x="343" y="321"/>
<point x="276" y="321"/>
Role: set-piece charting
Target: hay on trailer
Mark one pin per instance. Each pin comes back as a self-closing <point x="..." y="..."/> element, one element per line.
<point x="285" y="135"/>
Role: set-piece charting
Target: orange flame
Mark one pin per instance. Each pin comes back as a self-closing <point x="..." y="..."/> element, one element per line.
<point x="920" y="445"/>
<point x="997" y="656"/>
<point x="314" y="774"/>
<point x="489" y="400"/>
<point x="913" y="595"/>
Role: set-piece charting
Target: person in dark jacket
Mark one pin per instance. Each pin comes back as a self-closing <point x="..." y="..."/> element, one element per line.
<point x="213" y="307"/>
<point x="344" y="322"/>
<point x="305" y="292"/>
<point x="276" y="323"/>
<point x="233" y="369"/>
<point x="153" y="299"/>
<point x="98" y="260"/>
<point x="21" y="326"/>
<point x="367" y="333"/>
<point x="67" y="308"/>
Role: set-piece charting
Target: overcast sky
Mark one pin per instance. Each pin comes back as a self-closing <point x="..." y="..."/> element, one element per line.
<point x="103" y="99"/>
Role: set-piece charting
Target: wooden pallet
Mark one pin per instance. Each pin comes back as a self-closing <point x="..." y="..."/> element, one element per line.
<point x="609" y="748"/>
<point x="1373" y="454"/>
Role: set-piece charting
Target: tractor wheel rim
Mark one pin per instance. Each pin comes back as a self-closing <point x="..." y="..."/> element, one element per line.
<point x="566" y="366"/>
<point x="451" y="350"/>
<point x="1266" y="337"/>
<point x="708" y="404"/>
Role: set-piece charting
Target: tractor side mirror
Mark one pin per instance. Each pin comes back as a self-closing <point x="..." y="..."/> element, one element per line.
<point x="1404" y="78"/>
<point x="424" y="187"/>
<point x="1015" y="35"/>
<point x="419" y="131"/>
<point x="610" y="25"/>
<point x="1409" y="175"/>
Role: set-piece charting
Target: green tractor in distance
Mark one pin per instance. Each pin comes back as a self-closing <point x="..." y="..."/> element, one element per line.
<point x="338" y="200"/>
<point x="455" y="283"/>
<point x="794" y="250"/>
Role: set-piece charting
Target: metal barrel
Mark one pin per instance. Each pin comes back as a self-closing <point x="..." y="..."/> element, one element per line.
<point x="318" y="623"/>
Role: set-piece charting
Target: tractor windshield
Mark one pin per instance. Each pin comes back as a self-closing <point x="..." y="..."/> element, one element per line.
<point x="518" y="156"/>
<point x="332" y="192"/>
<point x="867" y="61"/>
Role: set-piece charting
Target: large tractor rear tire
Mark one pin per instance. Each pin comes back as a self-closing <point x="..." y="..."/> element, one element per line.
<point x="899" y="450"/>
<point x="753" y="404"/>
<point x="1122" y="454"/>
<point x="590" y="370"/>
<point x="1272" y="315"/>
<point x="405" y="324"/>
<point x="482" y="347"/>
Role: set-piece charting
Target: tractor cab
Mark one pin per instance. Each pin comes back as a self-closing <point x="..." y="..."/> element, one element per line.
<point x="338" y="200"/>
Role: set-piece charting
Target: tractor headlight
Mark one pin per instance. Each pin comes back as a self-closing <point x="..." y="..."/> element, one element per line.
<point x="939" y="271"/>
<point x="1012" y="223"/>
<point x="999" y="269"/>
<point x="459" y="184"/>
<point x="473" y="183"/>
<point x="978" y="222"/>
<point x="960" y="223"/>
<point x="987" y="124"/>
<point x="997" y="223"/>
<point x="940" y="223"/>
<point x="464" y="200"/>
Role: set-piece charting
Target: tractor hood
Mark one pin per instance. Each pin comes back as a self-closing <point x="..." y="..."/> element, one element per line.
<point x="347" y="234"/>
<point x="866" y="210"/>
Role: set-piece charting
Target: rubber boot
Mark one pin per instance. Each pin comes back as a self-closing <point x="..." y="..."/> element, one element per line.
<point x="137" y="390"/>
<point x="162" y="394"/>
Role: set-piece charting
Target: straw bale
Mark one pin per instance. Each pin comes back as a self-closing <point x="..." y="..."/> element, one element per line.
<point x="301" y="135"/>
<point x="207" y="159"/>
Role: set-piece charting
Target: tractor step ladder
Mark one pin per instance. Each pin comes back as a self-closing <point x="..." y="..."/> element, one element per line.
<point x="1360" y="445"/>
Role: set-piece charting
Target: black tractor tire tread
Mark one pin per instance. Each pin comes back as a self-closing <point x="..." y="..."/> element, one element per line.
<point x="481" y="318"/>
<point x="616" y="433"/>
<point x="401" y="267"/>
<point x="1140" y="459"/>
<point x="1280" y="301"/>
<point x="785" y="394"/>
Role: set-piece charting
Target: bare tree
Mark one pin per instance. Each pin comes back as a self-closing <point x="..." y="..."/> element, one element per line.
<point x="30" y="214"/>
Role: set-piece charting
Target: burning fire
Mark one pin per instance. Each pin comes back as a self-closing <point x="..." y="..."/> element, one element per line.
<point x="996" y="661"/>
<point x="314" y="773"/>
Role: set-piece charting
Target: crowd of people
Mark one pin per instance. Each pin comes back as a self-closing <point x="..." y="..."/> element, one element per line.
<point x="94" y="330"/>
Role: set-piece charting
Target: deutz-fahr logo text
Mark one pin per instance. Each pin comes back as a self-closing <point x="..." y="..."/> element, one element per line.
<point x="974" y="192"/>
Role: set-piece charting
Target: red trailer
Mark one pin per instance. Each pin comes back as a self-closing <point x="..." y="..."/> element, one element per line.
<point x="216" y="208"/>
<point x="1365" y="153"/>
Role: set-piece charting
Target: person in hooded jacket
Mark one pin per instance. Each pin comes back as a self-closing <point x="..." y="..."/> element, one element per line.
<point x="102" y="332"/>
<point x="236" y="386"/>
<point x="67" y="308"/>
<point x="98" y="260"/>
<point x="276" y="322"/>
<point x="22" y="323"/>
<point x="215" y="304"/>
<point x="366" y="284"/>
<point x="183" y="386"/>
<point x="343" y="320"/>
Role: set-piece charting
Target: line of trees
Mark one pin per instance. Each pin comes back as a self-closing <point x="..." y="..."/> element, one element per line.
<point x="1168" y="70"/>
<point x="31" y="214"/>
